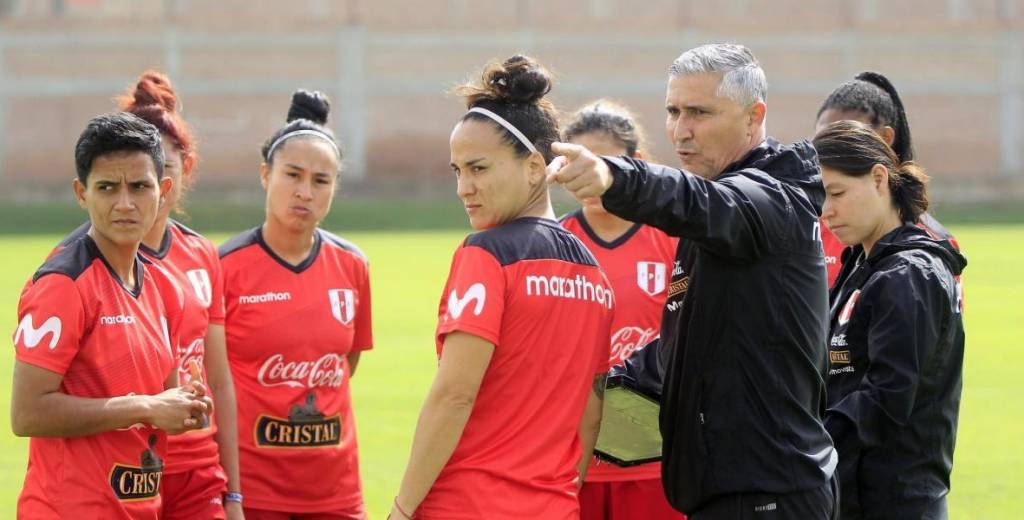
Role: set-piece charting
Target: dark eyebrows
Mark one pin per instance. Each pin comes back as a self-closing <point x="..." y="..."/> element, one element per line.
<point x="470" y="162"/>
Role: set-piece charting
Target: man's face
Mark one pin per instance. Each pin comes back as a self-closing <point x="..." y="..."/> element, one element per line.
<point x="122" y="195"/>
<point x="708" y="131"/>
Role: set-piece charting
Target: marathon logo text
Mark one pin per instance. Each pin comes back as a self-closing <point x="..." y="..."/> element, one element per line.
<point x="578" y="288"/>
<point x="266" y="297"/>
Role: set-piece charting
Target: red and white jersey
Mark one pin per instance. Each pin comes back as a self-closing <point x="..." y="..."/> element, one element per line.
<point x="535" y="292"/>
<point x="193" y="263"/>
<point x="639" y="266"/>
<point x="78" y="320"/>
<point x="833" y="249"/>
<point x="289" y="330"/>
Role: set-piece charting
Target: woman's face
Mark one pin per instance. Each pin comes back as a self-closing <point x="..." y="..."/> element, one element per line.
<point x="494" y="184"/>
<point x="173" y="169"/>
<point x="855" y="207"/>
<point x="600" y="143"/>
<point x="300" y="182"/>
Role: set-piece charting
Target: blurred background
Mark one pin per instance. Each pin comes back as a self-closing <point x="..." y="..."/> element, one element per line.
<point x="387" y="64"/>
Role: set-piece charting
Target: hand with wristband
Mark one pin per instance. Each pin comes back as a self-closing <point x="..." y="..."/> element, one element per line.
<point x="233" y="506"/>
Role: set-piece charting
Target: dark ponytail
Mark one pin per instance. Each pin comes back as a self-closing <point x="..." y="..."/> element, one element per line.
<point x="308" y="111"/>
<point x="901" y="143"/>
<point x="853" y="148"/>
<point x="515" y="90"/>
<point x="873" y="95"/>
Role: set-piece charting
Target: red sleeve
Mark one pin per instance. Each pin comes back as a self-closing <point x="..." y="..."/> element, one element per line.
<point x="217" y="286"/>
<point x="474" y="297"/>
<point x="51" y="323"/>
<point x="363" y="339"/>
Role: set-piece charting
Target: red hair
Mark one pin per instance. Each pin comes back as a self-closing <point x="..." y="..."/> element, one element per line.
<point x="153" y="99"/>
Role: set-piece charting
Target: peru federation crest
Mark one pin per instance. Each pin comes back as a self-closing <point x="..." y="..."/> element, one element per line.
<point x="343" y="305"/>
<point x="650" y="276"/>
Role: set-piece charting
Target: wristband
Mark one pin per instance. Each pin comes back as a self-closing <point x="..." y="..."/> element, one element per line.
<point x="233" y="497"/>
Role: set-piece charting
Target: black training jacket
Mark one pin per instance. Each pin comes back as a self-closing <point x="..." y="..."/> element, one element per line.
<point x="744" y="324"/>
<point x="896" y="346"/>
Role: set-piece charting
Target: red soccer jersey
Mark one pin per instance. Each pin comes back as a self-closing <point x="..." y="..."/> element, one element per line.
<point x="77" y="319"/>
<point x="289" y="329"/>
<point x="833" y="248"/>
<point x="192" y="262"/>
<point x="535" y="292"/>
<point x="638" y="265"/>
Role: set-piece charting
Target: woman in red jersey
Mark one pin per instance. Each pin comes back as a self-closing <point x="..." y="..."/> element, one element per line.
<point x="201" y="473"/>
<point x="522" y="337"/>
<point x="638" y="261"/>
<point x="871" y="99"/>
<point x="298" y="317"/>
<point x="94" y="342"/>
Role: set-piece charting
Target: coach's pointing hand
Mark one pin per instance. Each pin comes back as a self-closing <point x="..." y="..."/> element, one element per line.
<point x="582" y="173"/>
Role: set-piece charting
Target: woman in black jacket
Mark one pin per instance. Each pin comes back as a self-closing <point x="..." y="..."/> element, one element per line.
<point x="896" y="332"/>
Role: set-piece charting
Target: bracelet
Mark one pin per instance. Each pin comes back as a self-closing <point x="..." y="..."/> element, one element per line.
<point x="233" y="497"/>
<point x="402" y="511"/>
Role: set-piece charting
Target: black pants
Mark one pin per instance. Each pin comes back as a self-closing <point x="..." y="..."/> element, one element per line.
<point x="817" y="504"/>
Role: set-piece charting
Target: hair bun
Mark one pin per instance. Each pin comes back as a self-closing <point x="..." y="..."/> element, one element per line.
<point x="153" y="88"/>
<point x="519" y="80"/>
<point x="310" y="105"/>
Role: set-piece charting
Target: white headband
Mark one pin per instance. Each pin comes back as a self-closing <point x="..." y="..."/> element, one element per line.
<point x="289" y="135"/>
<point x="508" y="126"/>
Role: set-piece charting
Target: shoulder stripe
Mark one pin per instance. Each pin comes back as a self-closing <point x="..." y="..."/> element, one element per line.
<point x="239" y="241"/>
<point x="337" y="241"/>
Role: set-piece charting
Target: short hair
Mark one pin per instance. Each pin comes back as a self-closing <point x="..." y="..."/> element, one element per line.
<point x="743" y="80"/>
<point x="117" y="132"/>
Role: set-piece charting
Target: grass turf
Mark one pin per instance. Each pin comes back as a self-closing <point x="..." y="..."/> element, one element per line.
<point x="408" y="270"/>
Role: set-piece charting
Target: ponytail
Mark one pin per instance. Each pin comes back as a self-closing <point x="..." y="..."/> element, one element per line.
<point x="901" y="144"/>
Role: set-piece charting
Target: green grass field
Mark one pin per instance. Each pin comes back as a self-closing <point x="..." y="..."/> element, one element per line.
<point x="408" y="270"/>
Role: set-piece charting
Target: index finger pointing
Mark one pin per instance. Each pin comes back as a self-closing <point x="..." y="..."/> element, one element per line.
<point x="568" y="150"/>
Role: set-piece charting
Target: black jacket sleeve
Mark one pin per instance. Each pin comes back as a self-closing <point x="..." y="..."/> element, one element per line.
<point x="904" y="308"/>
<point x="740" y="215"/>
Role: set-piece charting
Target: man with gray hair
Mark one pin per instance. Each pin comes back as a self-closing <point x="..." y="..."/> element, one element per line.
<point x="743" y="331"/>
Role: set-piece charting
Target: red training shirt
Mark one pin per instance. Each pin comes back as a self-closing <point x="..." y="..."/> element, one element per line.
<point x="192" y="262"/>
<point x="289" y="329"/>
<point x="638" y="265"/>
<point x="78" y="320"/>
<point x="535" y="292"/>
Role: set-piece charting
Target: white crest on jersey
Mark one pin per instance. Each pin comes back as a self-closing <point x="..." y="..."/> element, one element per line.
<point x="650" y="276"/>
<point x="847" y="312"/>
<point x="201" y="285"/>
<point x="476" y="292"/>
<point x="33" y="335"/>
<point x="343" y="304"/>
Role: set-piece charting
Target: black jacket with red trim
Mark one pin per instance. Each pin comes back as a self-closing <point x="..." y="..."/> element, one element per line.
<point x="743" y="332"/>
<point x="896" y="347"/>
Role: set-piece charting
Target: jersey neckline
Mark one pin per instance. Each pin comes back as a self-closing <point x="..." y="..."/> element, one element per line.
<point x="165" y="244"/>
<point x="296" y="268"/>
<point x="592" y="235"/>
<point x="139" y="273"/>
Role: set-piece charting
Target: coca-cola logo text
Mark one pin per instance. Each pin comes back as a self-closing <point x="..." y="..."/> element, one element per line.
<point x="326" y="371"/>
<point x="627" y="340"/>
